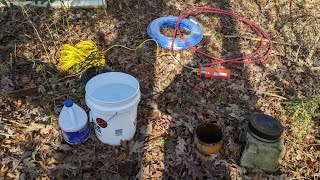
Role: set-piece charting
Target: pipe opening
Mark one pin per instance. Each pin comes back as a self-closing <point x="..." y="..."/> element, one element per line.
<point x="209" y="133"/>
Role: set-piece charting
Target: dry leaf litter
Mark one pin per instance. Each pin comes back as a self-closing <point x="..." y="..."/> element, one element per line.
<point x="173" y="100"/>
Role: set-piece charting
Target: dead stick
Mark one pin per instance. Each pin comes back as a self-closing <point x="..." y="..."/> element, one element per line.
<point x="7" y="135"/>
<point x="24" y="92"/>
<point x="34" y="90"/>
<point x="297" y="54"/>
<point x="271" y="94"/>
<point x="52" y="88"/>
<point x="315" y="68"/>
<point x="268" y="93"/>
<point x="36" y="31"/>
<point x="12" y="69"/>
<point x="14" y="122"/>
<point x="314" y="48"/>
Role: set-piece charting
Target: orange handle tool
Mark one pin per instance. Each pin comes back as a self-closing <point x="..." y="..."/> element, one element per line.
<point x="217" y="73"/>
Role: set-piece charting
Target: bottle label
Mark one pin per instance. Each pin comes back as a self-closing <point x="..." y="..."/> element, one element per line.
<point x="78" y="136"/>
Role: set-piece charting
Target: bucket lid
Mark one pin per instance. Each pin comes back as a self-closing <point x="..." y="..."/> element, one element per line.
<point x="265" y="127"/>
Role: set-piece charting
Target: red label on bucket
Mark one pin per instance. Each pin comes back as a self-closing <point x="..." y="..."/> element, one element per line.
<point x="102" y="123"/>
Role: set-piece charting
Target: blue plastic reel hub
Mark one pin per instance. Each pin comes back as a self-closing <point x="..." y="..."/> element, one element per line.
<point x="193" y="38"/>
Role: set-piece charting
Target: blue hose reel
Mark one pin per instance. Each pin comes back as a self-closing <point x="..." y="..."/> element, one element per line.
<point x="193" y="38"/>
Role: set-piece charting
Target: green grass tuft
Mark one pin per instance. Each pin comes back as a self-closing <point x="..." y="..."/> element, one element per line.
<point x="302" y="112"/>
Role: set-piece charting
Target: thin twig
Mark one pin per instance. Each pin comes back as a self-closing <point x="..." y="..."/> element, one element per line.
<point x="13" y="69"/>
<point x="24" y="155"/>
<point x="312" y="144"/>
<point x="52" y="95"/>
<point x="314" y="47"/>
<point x="33" y="90"/>
<point x="267" y="93"/>
<point x="24" y="92"/>
<point x="54" y="42"/>
<point x="14" y="65"/>
<point x="15" y="122"/>
<point x="297" y="54"/>
<point x="7" y="135"/>
<point x="105" y="9"/>
<point x="290" y="10"/>
<point x="291" y="19"/>
<point x="315" y="68"/>
<point x="271" y="94"/>
<point x="36" y="31"/>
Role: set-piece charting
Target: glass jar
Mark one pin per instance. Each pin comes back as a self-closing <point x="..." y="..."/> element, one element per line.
<point x="264" y="144"/>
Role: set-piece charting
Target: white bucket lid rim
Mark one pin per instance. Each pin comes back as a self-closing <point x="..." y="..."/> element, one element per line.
<point x="113" y="102"/>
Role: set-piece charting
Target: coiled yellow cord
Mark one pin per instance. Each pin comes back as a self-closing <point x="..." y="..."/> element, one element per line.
<point x="79" y="55"/>
<point x="86" y="54"/>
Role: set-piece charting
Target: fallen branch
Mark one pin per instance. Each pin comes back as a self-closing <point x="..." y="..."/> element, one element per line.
<point x="34" y="90"/>
<point x="271" y="94"/>
<point x="25" y="92"/>
<point x="14" y="122"/>
<point x="268" y="93"/>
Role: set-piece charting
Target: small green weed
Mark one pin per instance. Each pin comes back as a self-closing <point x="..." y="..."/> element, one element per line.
<point x="302" y="1"/>
<point x="302" y="112"/>
<point x="202" y="21"/>
<point x="81" y="89"/>
<point x="202" y="103"/>
<point x="166" y="84"/>
<point x="218" y="37"/>
<point x="40" y="68"/>
<point x="166" y="143"/>
<point x="47" y="112"/>
<point x="195" y="100"/>
<point x="54" y="80"/>
<point x="189" y="97"/>
<point x="48" y="121"/>
<point x="3" y="2"/>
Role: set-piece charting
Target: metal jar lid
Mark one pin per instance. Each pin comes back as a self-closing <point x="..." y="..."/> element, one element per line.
<point x="265" y="128"/>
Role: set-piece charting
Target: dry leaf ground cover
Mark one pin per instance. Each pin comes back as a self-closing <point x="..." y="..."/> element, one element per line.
<point x="173" y="100"/>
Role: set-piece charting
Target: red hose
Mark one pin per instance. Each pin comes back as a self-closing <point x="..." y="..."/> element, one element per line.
<point x="241" y="60"/>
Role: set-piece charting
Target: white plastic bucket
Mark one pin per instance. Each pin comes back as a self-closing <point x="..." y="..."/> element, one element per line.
<point x="113" y="99"/>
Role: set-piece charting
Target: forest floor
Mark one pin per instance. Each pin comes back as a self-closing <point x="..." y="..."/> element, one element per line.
<point x="174" y="101"/>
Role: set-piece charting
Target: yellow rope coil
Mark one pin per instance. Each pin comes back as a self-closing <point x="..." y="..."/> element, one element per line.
<point x="84" y="53"/>
<point x="87" y="54"/>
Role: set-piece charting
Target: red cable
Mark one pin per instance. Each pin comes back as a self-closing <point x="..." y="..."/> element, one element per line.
<point x="241" y="60"/>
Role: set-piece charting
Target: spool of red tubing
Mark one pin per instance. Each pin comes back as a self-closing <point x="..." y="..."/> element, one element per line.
<point x="240" y="60"/>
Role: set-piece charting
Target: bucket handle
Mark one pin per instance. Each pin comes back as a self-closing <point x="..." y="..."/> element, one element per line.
<point x="113" y="116"/>
<point x="91" y="120"/>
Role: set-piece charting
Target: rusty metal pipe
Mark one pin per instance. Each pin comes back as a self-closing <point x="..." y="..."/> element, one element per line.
<point x="208" y="138"/>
